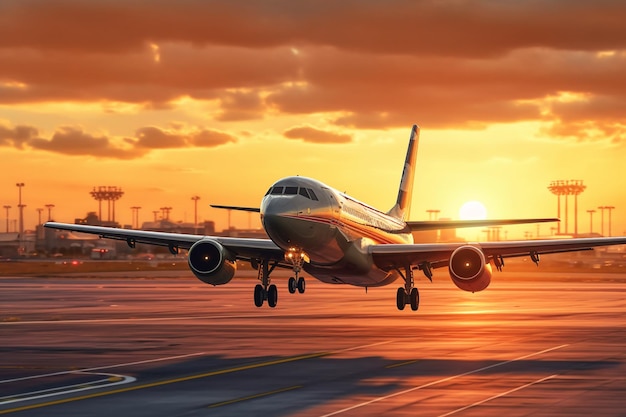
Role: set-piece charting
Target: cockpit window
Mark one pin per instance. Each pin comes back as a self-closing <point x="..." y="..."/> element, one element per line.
<point x="304" y="193"/>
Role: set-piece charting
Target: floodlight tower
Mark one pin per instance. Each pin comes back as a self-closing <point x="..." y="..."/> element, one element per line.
<point x="49" y="207"/>
<point x="114" y="194"/>
<point x="576" y="187"/>
<point x="166" y="213"/>
<point x="433" y="214"/>
<point x="99" y="194"/>
<point x="559" y="188"/>
<point x="567" y="188"/>
<point x="108" y="194"/>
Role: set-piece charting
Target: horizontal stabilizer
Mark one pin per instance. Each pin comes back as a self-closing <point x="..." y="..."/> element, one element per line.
<point x="416" y="226"/>
<point x="252" y="209"/>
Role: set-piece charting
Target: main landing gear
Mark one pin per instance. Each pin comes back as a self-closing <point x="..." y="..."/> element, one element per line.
<point x="409" y="294"/>
<point x="265" y="290"/>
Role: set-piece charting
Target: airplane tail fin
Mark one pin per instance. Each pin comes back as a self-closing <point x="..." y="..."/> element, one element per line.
<point x="403" y="204"/>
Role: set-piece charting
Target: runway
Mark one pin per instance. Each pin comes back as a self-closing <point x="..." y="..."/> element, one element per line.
<point x="538" y="344"/>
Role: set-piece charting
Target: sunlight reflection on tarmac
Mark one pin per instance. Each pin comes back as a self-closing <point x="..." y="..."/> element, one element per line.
<point x="174" y="346"/>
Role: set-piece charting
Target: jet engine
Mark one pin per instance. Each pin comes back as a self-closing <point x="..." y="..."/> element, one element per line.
<point x="211" y="262"/>
<point x="469" y="270"/>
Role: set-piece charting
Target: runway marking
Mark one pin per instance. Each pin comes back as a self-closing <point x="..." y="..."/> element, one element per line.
<point x="439" y="381"/>
<point x="189" y="377"/>
<point x="109" y="381"/>
<point x="121" y="320"/>
<point x="539" y="381"/>
<point x="395" y="365"/>
<point x="99" y="368"/>
<point x="255" y="396"/>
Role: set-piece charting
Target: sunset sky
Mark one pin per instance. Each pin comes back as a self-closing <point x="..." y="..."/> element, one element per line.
<point x="171" y="99"/>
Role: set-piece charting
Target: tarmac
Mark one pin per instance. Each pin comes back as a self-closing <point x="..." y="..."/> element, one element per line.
<point x="540" y="344"/>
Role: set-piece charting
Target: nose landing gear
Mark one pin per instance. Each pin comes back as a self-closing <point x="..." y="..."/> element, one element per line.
<point x="296" y="258"/>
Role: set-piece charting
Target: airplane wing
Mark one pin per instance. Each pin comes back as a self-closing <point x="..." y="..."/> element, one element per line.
<point x="250" y="209"/>
<point x="438" y="254"/>
<point x="416" y="226"/>
<point x="244" y="248"/>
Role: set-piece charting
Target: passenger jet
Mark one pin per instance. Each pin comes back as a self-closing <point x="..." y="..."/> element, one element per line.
<point x="340" y="240"/>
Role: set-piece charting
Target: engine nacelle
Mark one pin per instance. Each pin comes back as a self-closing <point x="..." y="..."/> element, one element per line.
<point x="469" y="270"/>
<point x="211" y="262"/>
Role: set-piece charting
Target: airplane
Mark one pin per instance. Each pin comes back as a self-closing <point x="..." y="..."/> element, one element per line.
<point x="339" y="240"/>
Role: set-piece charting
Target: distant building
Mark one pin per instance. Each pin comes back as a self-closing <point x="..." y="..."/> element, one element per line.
<point x="9" y="245"/>
<point x="92" y="219"/>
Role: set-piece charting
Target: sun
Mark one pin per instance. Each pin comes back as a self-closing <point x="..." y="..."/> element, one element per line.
<point x="473" y="210"/>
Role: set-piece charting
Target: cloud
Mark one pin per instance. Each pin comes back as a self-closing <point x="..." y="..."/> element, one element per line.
<point x="155" y="138"/>
<point x="444" y="64"/>
<point x="17" y="136"/>
<point x="236" y="106"/>
<point x="431" y="27"/>
<point x="313" y="135"/>
<point x="69" y="140"/>
<point x="73" y="141"/>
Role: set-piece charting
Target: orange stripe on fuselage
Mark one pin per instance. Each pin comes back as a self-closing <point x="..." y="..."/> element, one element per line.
<point x="366" y="231"/>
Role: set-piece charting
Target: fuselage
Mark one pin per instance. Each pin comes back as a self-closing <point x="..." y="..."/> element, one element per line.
<point x="332" y="229"/>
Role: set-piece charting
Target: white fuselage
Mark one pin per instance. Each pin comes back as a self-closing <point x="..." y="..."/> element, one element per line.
<point x="332" y="229"/>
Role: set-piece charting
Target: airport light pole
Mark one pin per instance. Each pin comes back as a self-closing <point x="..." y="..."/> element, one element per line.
<point x="591" y="220"/>
<point x="195" y="199"/>
<point x="135" y="213"/>
<point x="609" y="208"/>
<point x="39" y="211"/>
<point x="601" y="208"/>
<point x="50" y="207"/>
<point x="21" y="206"/>
<point x="166" y="212"/>
<point x="7" y="208"/>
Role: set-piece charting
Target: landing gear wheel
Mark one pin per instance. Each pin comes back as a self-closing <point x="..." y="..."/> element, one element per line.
<point x="414" y="298"/>
<point x="272" y="296"/>
<point x="259" y="295"/>
<point x="292" y="285"/>
<point x="301" y="285"/>
<point x="401" y="298"/>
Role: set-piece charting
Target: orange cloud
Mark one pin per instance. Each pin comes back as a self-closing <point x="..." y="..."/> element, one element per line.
<point x="70" y="140"/>
<point x="313" y="135"/>
<point x="376" y="65"/>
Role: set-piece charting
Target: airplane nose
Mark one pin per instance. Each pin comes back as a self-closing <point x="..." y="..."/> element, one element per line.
<point x="276" y="219"/>
<point x="273" y="212"/>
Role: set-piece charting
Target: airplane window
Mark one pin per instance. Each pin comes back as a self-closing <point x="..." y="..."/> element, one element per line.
<point x="269" y="191"/>
<point x="277" y="190"/>
<point x="312" y="194"/>
<point x="291" y="190"/>
<point x="304" y="193"/>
